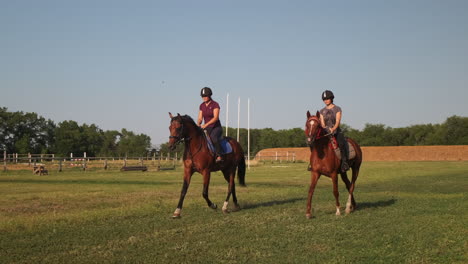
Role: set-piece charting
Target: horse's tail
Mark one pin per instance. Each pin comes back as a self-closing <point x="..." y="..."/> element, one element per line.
<point x="241" y="171"/>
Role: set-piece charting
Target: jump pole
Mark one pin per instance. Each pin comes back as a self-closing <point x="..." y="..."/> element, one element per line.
<point x="238" y="119"/>
<point x="227" y="114"/>
<point x="248" y="133"/>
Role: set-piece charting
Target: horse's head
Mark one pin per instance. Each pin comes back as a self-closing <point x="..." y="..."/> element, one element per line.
<point x="176" y="130"/>
<point x="312" y="127"/>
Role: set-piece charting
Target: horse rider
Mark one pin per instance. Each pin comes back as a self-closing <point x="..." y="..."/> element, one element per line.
<point x="330" y="118"/>
<point x="209" y="113"/>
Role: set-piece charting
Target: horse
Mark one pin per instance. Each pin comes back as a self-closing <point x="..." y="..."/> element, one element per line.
<point x="324" y="161"/>
<point x="198" y="158"/>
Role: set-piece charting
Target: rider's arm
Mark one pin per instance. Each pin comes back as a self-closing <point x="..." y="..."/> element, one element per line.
<point x="214" y="119"/>
<point x="322" y="121"/>
<point x="338" y="121"/>
<point x="200" y="118"/>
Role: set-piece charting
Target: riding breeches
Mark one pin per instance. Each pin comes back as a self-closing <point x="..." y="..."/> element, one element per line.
<point x="215" y="135"/>
<point x="343" y="145"/>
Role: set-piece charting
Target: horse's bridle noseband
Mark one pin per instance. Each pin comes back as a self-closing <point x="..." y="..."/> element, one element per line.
<point x="310" y="137"/>
<point x="179" y="138"/>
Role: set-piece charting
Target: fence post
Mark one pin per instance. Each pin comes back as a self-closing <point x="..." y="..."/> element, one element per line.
<point x="4" y="161"/>
<point x="159" y="162"/>
<point x="84" y="161"/>
<point x="60" y="165"/>
<point x="105" y="164"/>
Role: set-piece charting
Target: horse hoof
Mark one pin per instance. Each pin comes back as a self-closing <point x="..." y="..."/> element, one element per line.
<point x="213" y="206"/>
<point x="176" y="216"/>
<point x="226" y="211"/>
<point x="308" y="216"/>
<point x="236" y="208"/>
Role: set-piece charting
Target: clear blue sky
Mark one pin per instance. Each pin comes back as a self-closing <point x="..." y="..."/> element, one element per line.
<point x="125" y="64"/>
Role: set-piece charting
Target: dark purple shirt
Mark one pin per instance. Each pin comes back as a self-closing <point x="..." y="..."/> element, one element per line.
<point x="207" y="112"/>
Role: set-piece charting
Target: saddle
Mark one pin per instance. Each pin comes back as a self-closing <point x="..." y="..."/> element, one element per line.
<point x="226" y="147"/>
<point x="334" y="146"/>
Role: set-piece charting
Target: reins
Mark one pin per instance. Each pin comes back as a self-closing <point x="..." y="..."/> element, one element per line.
<point x="186" y="139"/>
<point x="319" y="134"/>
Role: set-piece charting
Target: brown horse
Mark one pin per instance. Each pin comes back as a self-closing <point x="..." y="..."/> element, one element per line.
<point x="323" y="160"/>
<point x="198" y="158"/>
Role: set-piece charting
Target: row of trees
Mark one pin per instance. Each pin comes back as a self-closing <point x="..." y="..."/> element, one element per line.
<point x="29" y="133"/>
<point x="454" y="131"/>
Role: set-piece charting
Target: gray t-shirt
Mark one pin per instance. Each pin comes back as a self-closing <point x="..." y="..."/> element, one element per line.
<point x="329" y="115"/>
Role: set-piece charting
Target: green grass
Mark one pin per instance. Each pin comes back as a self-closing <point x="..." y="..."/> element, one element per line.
<point x="408" y="212"/>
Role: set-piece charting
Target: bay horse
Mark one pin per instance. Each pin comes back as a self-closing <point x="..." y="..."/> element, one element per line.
<point x="323" y="161"/>
<point x="198" y="158"/>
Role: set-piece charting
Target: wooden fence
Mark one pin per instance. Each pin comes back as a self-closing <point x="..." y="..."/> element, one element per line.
<point x="398" y="153"/>
<point x="52" y="163"/>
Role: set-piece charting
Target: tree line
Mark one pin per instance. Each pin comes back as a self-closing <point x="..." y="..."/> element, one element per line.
<point x="454" y="131"/>
<point x="30" y="133"/>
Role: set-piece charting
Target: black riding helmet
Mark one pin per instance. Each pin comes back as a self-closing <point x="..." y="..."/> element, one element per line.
<point x="327" y="95"/>
<point x="206" y="91"/>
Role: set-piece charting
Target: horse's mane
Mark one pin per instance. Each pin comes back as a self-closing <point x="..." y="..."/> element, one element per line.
<point x="189" y="119"/>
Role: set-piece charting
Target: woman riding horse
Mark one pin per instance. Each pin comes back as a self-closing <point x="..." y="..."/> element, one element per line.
<point x="198" y="158"/>
<point x="209" y="112"/>
<point x="330" y="118"/>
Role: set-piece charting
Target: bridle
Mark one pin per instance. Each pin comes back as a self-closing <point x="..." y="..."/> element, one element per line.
<point x="312" y="137"/>
<point x="180" y="136"/>
<point x="180" y="131"/>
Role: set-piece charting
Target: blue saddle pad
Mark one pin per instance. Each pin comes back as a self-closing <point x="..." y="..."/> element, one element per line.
<point x="225" y="146"/>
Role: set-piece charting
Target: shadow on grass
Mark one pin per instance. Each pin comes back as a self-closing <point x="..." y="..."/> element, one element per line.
<point x="271" y="203"/>
<point x="363" y="206"/>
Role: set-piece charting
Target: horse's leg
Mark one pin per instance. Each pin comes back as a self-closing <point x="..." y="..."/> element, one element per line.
<point x="187" y="177"/>
<point x="206" y="184"/>
<point x="353" y="185"/>
<point x="345" y="179"/>
<point x="227" y="176"/>
<point x="334" y="178"/>
<point x="315" y="176"/>
<point x="234" y="197"/>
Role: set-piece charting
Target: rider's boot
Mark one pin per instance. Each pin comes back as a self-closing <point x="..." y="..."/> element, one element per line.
<point x="344" y="161"/>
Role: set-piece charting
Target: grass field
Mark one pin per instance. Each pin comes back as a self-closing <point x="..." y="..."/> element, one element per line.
<point x="408" y="212"/>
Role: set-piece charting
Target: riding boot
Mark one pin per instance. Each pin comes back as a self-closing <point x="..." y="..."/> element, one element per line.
<point x="344" y="161"/>
<point x="219" y="157"/>
<point x="343" y="145"/>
